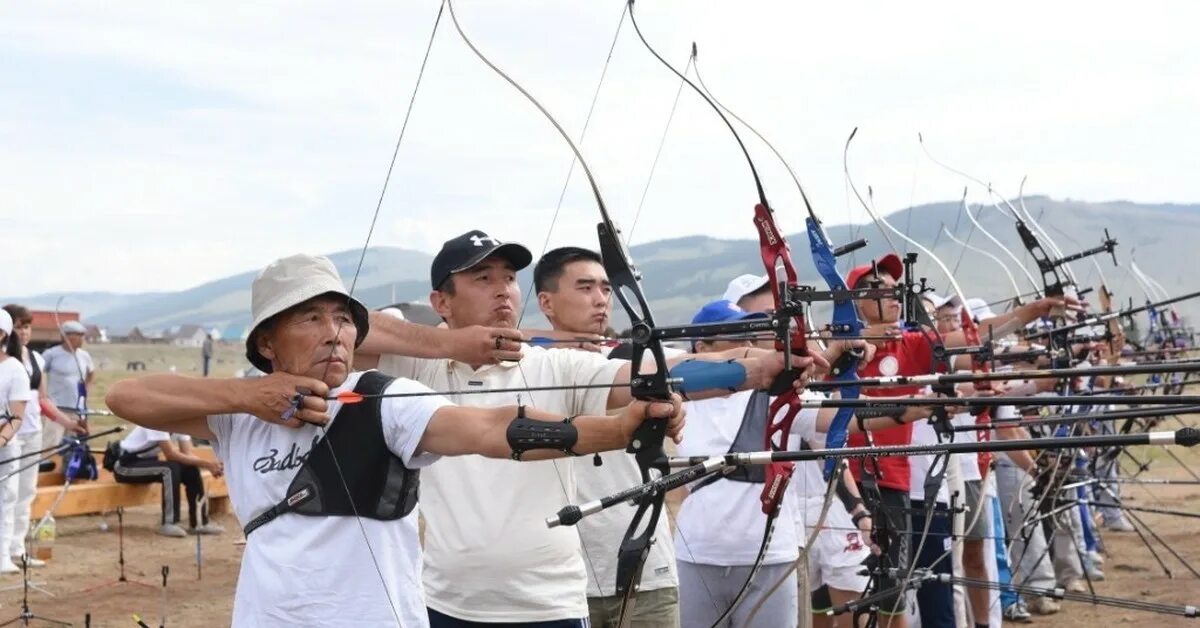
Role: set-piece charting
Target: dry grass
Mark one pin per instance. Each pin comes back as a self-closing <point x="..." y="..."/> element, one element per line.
<point x="111" y="360"/>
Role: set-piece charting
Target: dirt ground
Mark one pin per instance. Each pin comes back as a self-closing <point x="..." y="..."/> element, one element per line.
<point x="83" y="572"/>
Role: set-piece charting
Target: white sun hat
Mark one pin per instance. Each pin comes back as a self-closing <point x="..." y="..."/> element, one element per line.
<point x="290" y="281"/>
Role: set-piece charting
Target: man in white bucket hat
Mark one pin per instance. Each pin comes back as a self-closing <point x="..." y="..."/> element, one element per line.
<point x="326" y="459"/>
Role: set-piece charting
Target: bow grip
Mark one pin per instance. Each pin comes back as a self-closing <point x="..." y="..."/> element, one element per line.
<point x="847" y="361"/>
<point x="783" y="382"/>
<point x="646" y="443"/>
<point x="778" y="476"/>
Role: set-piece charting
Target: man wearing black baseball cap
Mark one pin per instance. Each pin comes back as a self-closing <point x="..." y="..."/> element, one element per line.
<point x="489" y="557"/>
<point x="469" y="249"/>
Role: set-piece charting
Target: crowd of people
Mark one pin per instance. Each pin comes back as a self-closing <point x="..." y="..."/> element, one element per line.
<point x="499" y="427"/>
<point x="45" y="414"/>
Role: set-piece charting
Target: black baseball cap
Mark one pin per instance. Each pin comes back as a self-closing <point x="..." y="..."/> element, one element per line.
<point x="460" y="253"/>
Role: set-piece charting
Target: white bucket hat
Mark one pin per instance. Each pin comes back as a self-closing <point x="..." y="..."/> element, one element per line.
<point x="288" y="282"/>
<point x="6" y="322"/>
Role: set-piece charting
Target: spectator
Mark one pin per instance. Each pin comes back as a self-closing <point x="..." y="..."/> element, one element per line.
<point x="140" y="464"/>
<point x="206" y="353"/>
<point x="29" y="437"/>
<point x="70" y="370"/>
<point x="14" y="393"/>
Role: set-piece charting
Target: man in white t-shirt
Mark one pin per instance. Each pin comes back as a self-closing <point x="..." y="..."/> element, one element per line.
<point x="69" y="372"/>
<point x="488" y="558"/>
<point x="322" y="462"/>
<point x="574" y="293"/>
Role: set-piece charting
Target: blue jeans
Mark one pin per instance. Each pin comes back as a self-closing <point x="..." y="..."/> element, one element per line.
<point x="1008" y="596"/>
<point x="935" y="600"/>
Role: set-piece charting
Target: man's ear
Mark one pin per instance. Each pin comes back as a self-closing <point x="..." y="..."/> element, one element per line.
<point x="545" y="304"/>
<point x="263" y="343"/>
<point x="440" y="302"/>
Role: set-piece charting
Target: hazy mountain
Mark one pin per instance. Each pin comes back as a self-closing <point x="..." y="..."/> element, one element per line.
<point x="680" y="274"/>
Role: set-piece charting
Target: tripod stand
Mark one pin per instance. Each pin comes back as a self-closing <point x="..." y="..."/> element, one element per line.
<point x="121" y="578"/>
<point x="27" y="615"/>
<point x="29" y="584"/>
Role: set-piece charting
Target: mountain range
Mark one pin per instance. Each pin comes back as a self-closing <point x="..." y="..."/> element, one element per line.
<point x="680" y="274"/>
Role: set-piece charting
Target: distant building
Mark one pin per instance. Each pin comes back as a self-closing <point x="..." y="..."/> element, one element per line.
<point x="185" y="335"/>
<point x="95" y="334"/>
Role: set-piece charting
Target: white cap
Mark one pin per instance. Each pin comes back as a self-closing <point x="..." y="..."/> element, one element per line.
<point x="743" y="285"/>
<point x="979" y="309"/>
<point x="290" y="281"/>
<point x="73" y="327"/>
<point x="6" y="322"/>
<point x="940" y="301"/>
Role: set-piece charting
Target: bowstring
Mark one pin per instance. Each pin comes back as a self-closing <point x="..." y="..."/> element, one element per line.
<point x="577" y="158"/>
<point x="587" y="121"/>
<point x="662" y="142"/>
<point x="324" y="429"/>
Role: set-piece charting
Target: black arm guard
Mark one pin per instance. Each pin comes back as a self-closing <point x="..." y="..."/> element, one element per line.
<point x="849" y="500"/>
<point x="525" y="434"/>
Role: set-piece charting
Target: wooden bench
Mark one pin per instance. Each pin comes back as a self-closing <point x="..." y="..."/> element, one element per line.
<point x="105" y="494"/>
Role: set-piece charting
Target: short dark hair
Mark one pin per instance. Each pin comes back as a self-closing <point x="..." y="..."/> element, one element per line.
<point x="447" y="285"/>
<point x="19" y="313"/>
<point x="550" y="268"/>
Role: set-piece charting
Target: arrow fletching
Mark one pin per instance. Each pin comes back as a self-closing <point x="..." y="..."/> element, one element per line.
<point x="348" y="397"/>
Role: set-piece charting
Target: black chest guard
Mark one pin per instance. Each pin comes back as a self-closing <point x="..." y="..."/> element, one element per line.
<point x="377" y="481"/>
<point x="750" y="437"/>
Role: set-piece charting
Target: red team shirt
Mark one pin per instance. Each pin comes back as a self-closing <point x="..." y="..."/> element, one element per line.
<point x="911" y="354"/>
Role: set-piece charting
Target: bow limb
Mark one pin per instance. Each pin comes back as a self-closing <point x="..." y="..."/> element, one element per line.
<point x="350" y="295"/>
<point x="845" y="323"/>
<point x="647" y="442"/>
<point x="1037" y="290"/>
<point x="1012" y="280"/>
<point x="1067" y="268"/>
<point x="1052" y="280"/>
<point x="1116" y="333"/>
<point x="81" y="389"/>
<point x="777" y="261"/>
<point x="970" y="335"/>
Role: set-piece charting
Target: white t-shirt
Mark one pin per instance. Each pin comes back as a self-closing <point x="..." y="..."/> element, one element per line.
<point x="808" y="485"/>
<point x="320" y="571"/>
<point x="14" y="383"/>
<point x="63" y="369"/>
<point x="602" y="532"/>
<point x="722" y="523"/>
<point x="489" y="556"/>
<point x="969" y="463"/>
<point x="33" y="410"/>
<point x="144" y="442"/>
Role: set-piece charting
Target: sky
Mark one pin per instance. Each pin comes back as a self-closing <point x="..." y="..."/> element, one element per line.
<point x="155" y="146"/>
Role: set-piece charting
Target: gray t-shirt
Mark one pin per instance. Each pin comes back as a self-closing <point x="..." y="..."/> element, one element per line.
<point x="63" y="371"/>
